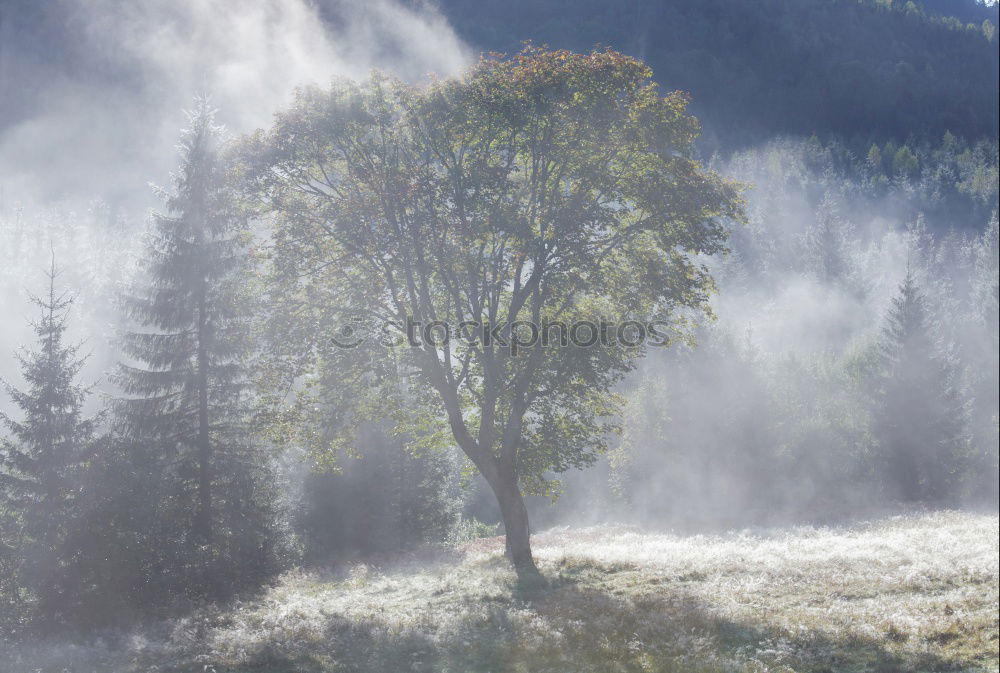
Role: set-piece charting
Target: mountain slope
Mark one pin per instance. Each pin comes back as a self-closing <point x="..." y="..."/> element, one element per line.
<point x="865" y="70"/>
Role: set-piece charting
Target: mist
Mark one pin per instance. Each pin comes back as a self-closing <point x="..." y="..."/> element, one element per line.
<point x="218" y="455"/>
<point x="96" y="114"/>
<point x="92" y="96"/>
<point x="764" y="421"/>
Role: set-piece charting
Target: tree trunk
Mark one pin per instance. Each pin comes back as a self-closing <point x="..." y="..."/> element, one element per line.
<point x="204" y="477"/>
<point x="500" y="473"/>
<point x="204" y="520"/>
<point x="515" y="523"/>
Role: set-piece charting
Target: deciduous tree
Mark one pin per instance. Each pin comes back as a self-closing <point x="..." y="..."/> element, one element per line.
<point x="548" y="187"/>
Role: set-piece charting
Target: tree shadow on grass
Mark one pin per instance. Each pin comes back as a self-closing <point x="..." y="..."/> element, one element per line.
<point x="670" y="630"/>
<point x="567" y="624"/>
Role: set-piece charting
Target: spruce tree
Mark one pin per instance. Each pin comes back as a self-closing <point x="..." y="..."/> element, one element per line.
<point x="186" y="413"/>
<point x="830" y="246"/>
<point x="983" y="351"/>
<point x="387" y="499"/>
<point x="919" y="422"/>
<point x="827" y="244"/>
<point x="42" y="464"/>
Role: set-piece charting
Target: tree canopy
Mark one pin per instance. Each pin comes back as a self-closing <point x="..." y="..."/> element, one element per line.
<point x="546" y="188"/>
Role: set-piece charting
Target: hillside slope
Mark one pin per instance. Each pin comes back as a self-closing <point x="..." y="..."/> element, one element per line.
<point x="867" y="70"/>
<point x="914" y="593"/>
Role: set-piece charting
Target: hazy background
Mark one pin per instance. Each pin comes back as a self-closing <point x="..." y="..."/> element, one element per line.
<point x="92" y="92"/>
<point x="91" y="100"/>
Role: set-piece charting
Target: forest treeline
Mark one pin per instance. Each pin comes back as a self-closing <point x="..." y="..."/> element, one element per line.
<point x="854" y="363"/>
<point x="852" y="367"/>
<point x="857" y="70"/>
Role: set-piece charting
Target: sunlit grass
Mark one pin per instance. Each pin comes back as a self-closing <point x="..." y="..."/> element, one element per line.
<point x="915" y="593"/>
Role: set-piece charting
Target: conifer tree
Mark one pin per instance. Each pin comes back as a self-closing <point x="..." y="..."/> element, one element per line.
<point x="42" y="462"/>
<point x="828" y="248"/>
<point x="984" y="354"/>
<point x="920" y="420"/>
<point x="387" y="499"/>
<point x="187" y="414"/>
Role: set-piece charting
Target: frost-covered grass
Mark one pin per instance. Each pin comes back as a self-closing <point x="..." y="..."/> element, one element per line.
<point x="916" y="593"/>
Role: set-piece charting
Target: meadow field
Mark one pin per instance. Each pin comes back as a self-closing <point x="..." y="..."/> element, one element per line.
<point x="905" y="593"/>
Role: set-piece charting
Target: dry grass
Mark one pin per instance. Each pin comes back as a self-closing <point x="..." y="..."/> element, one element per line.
<point x="914" y="593"/>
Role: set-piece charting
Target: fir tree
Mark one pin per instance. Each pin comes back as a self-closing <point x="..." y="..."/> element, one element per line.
<point x="920" y="420"/>
<point x="187" y="414"/>
<point x="984" y="354"/>
<point x="827" y="243"/>
<point x="830" y="249"/>
<point x="42" y="463"/>
<point x="387" y="499"/>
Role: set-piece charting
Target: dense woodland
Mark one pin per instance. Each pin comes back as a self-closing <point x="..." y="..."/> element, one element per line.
<point x="856" y="70"/>
<point x="179" y="429"/>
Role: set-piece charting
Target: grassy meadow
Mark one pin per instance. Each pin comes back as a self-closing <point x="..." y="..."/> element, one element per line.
<point x="909" y="593"/>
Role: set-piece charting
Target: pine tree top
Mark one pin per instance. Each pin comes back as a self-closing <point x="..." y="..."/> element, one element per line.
<point x="53" y="436"/>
